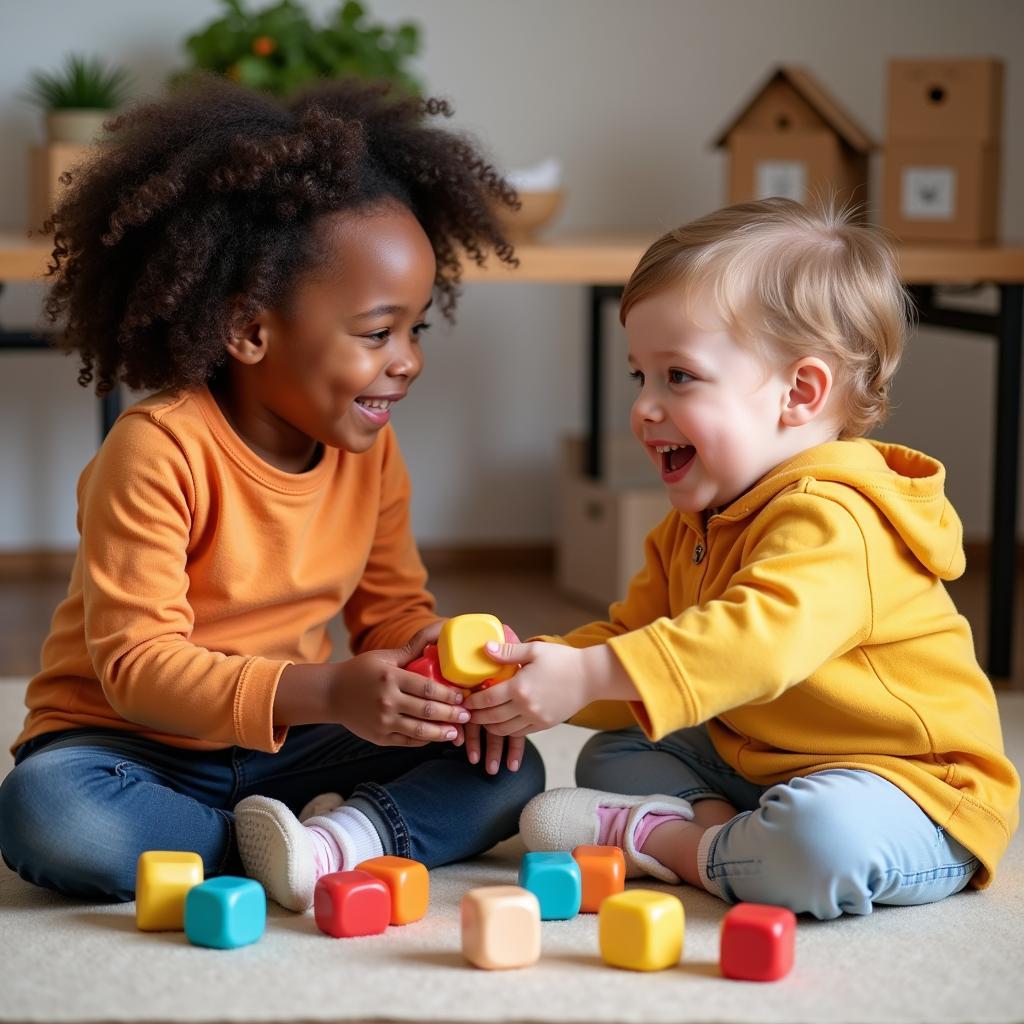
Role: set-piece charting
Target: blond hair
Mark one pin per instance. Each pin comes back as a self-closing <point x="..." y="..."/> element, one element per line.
<point x="804" y="281"/>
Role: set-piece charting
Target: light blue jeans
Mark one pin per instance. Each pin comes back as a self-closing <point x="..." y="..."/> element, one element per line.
<point x="835" y="842"/>
<point x="80" y="806"/>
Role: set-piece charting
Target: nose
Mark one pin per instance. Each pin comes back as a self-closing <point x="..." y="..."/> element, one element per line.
<point x="406" y="359"/>
<point x="647" y="408"/>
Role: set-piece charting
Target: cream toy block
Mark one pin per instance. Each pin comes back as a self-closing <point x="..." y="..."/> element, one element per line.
<point x="460" y="648"/>
<point x="603" y="872"/>
<point x="757" y="942"/>
<point x="409" y="882"/>
<point x="500" y="927"/>
<point x="163" y="879"/>
<point x="641" y="930"/>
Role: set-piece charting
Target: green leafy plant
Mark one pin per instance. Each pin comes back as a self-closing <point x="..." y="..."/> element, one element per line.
<point x="83" y="83"/>
<point x="278" y="49"/>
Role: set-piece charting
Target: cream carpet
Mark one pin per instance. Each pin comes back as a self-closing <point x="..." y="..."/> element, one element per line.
<point x="957" y="962"/>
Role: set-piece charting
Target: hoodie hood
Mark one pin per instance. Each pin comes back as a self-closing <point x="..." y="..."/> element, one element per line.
<point x="906" y="486"/>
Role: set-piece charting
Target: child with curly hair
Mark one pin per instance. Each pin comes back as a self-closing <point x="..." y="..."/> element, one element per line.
<point x="813" y="722"/>
<point x="267" y="269"/>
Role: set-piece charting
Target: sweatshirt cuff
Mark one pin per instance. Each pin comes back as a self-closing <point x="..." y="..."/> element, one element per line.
<point x="666" y="703"/>
<point x="254" y="706"/>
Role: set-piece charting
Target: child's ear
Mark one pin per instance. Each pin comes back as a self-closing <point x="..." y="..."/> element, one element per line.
<point x="809" y="386"/>
<point x="248" y="342"/>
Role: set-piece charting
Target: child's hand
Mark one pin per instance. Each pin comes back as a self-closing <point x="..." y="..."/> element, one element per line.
<point x="492" y="755"/>
<point x="378" y="700"/>
<point x="549" y="688"/>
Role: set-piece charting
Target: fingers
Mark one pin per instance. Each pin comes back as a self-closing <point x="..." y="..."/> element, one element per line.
<point x="430" y="710"/>
<point x="427" y="635"/>
<point x="491" y="716"/>
<point x="423" y="732"/>
<point x="492" y="697"/>
<point x="430" y="689"/>
<point x="492" y="758"/>
<point x="514" y="752"/>
<point x="509" y="654"/>
<point x="472" y="743"/>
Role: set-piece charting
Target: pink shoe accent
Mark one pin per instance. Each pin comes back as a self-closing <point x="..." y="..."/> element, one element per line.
<point x="327" y="855"/>
<point x="613" y="825"/>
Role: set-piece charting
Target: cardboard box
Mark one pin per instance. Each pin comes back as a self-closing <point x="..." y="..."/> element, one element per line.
<point x="46" y="165"/>
<point x="943" y="150"/>
<point x="601" y="530"/>
<point x="942" y="100"/>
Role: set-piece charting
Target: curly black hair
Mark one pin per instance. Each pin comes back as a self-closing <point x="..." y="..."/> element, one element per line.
<point x="209" y="197"/>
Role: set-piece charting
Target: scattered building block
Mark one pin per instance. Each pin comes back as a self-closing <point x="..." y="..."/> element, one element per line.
<point x="460" y="648"/>
<point x="408" y="882"/>
<point x="554" y="878"/>
<point x="428" y="664"/>
<point x="500" y="927"/>
<point x="603" y="873"/>
<point x="225" y="912"/>
<point x="163" y="879"/>
<point x="641" y="930"/>
<point x="351" y="903"/>
<point x="757" y="942"/>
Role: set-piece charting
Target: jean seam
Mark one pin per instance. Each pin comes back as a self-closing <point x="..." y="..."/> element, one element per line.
<point x="229" y="820"/>
<point x="380" y="796"/>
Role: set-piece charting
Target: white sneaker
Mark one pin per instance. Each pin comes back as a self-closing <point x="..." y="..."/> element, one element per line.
<point x="321" y="805"/>
<point x="562" y="819"/>
<point x="277" y="851"/>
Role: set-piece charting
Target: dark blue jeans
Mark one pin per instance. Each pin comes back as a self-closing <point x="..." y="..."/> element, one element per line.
<point x="80" y="806"/>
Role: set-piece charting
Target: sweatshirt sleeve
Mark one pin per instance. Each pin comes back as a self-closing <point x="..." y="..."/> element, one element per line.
<point x="135" y="515"/>
<point x="801" y="597"/>
<point x="390" y="602"/>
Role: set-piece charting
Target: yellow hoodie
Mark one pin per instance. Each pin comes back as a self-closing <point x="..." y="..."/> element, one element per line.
<point x="808" y="625"/>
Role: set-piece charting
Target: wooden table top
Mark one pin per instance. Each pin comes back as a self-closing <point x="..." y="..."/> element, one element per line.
<point x="609" y="258"/>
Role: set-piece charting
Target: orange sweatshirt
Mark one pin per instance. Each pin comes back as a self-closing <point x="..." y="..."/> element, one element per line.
<point x="202" y="572"/>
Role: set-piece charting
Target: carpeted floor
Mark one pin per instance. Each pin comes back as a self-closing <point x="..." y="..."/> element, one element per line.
<point x="959" y="961"/>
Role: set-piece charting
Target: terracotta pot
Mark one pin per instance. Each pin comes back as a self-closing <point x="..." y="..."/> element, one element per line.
<point x="537" y="210"/>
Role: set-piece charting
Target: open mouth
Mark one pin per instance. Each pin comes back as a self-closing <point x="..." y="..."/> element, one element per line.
<point x="375" y="404"/>
<point x="675" y="457"/>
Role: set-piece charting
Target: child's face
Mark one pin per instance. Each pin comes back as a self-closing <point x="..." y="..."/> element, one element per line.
<point x="705" y="392"/>
<point x="347" y="348"/>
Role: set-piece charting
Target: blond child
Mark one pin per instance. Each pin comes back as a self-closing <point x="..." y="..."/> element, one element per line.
<point x="812" y="719"/>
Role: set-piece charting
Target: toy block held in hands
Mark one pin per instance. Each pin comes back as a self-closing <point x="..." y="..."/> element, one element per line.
<point x="225" y="912"/>
<point x="554" y="878"/>
<point x="757" y="942"/>
<point x="641" y="930"/>
<point x="408" y="882"/>
<point x="351" y="903"/>
<point x="163" y="879"/>
<point x="603" y="873"/>
<point x="500" y="927"/>
<point x="428" y="664"/>
<point x="460" y="648"/>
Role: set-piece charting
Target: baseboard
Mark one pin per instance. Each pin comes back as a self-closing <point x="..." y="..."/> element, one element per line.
<point x="56" y="564"/>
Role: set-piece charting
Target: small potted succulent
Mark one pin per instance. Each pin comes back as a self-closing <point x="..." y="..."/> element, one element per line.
<point x="279" y="48"/>
<point x="79" y="97"/>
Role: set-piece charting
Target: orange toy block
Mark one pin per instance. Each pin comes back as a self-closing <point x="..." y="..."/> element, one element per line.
<point x="500" y="927"/>
<point x="409" y="883"/>
<point x="603" y="869"/>
<point x="163" y="879"/>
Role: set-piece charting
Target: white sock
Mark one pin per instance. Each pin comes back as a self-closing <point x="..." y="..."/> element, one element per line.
<point x="346" y="838"/>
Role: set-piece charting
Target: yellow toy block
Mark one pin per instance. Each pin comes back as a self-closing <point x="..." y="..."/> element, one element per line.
<point x="460" y="648"/>
<point x="500" y="927"/>
<point x="163" y="879"/>
<point x="641" y="930"/>
<point x="409" y="883"/>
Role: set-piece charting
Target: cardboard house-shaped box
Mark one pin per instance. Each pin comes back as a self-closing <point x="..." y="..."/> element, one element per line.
<point x="793" y="139"/>
<point x="942" y="152"/>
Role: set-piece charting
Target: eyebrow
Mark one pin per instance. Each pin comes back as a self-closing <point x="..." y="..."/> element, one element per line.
<point x="387" y="310"/>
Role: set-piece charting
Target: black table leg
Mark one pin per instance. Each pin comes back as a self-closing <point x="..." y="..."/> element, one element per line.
<point x="597" y="294"/>
<point x="111" y="409"/>
<point x="1003" y="563"/>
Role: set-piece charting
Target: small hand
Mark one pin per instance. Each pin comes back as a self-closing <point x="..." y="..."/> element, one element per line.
<point x="492" y="759"/>
<point x="550" y="687"/>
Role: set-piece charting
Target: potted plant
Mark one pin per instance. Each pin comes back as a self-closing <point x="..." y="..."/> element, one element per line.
<point x="78" y="98"/>
<point x="279" y="48"/>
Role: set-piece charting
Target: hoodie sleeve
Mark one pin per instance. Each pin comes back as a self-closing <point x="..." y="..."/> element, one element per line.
<point x="801" y="597"/>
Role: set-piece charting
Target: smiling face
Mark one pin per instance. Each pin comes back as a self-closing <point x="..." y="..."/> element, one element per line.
<point x="710" y="414"/>
<point x="329" y="367"/>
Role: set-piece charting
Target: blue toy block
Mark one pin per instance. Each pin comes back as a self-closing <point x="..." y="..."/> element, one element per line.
<point x="554" y="878"/>
<point x="225" y="912"/>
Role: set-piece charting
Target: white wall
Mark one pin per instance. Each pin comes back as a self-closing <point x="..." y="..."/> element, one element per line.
<point x="628" y="95"/>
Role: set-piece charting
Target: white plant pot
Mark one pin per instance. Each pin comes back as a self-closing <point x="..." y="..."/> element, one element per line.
<point x="81" y="126"/>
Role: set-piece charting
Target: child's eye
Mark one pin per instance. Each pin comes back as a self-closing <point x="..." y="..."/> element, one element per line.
<point x="381" y="335"/>
<point x="678" y="376"/>
<point x="418" y="329"/>
<point x="637" y="376"/>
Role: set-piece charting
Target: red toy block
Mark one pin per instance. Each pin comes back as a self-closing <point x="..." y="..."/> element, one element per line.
<point x="428" y="664"/>
<point x="350" y="903"/>
<point x="757" y="942"/>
